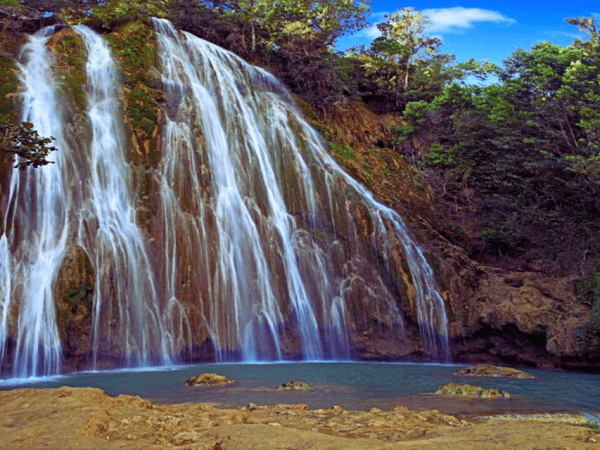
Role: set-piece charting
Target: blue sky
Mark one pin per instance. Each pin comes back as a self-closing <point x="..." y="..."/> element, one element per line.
<point x="489" y="30"/>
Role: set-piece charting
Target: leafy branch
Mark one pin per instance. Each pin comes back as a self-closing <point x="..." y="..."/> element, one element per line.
<point x="25" y="142"/>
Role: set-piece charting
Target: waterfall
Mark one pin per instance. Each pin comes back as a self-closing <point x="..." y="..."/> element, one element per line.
<point x="260" y="246"/>
<point x="126" y="306"/>
<point x="269" y="187"/>
<point x="204" y="101"/>
<point x="35" y="227"/>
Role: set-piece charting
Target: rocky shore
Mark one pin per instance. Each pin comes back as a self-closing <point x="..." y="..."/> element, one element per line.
<point x="76" y="418"/>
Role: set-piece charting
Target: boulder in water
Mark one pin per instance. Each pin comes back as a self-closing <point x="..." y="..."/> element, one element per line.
<point x="209" y="379"/>
<point x="294" y="385"/>
<point x="471" y="391"/>
<point x="487" y="370"/>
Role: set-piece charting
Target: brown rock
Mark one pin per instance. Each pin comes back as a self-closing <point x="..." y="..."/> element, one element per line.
<point x="473" y="391"/>
<point x="488" y="370"/>
<point x="75" y="418"/>
<point x="294" y="385"/>
<point x="209" y="379"/>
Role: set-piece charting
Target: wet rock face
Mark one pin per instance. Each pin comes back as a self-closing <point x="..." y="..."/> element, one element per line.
<point x="526" y="318"/>
<point x="471" y="391"/>
<point x="74" y="304"/>
<point x="209" y="379"/>
<point x="487" y="370"/>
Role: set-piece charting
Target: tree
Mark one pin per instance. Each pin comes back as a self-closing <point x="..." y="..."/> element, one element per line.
<point x="521" y="155"/>
<point x="588" y="26"/>
<point x="404" y="59"/>
<point x="25" y="142"/>
<point x="403" y="40"/>
<point x="294" y="39"/>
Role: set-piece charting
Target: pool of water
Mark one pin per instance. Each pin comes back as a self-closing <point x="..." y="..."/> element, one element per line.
<point x="353" y="385"/>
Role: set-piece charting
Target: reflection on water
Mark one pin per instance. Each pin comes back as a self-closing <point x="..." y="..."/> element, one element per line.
<point x="355" y="386"/>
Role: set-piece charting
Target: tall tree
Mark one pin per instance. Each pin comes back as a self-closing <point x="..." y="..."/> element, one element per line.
<point x="404" y="58"/>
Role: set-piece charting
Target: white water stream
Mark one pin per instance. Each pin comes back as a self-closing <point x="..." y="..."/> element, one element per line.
<point x="255" y="249"/>
<point x="36" y="226"/>
<point x="265" y="161"/>
<point x="126" y="306"/>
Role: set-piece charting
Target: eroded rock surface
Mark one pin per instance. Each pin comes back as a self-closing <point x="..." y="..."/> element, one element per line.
<point x="488" y="370"/>
<point x="209" y="379"/>
<point x="472" y="391"/>
<point x="294" y="385"/>
<point x="75" y="418"/>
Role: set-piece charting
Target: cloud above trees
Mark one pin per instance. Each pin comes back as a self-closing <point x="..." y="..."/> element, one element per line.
<point x="457" y="18"/>
<point x="448" y="20"/>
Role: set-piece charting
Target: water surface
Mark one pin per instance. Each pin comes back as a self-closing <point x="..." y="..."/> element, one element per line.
<point x="353" y="385"/>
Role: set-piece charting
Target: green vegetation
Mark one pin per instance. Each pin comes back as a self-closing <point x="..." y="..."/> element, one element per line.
<point x="70" y="54"/>
<point x="294" y="39"/>
<point x="521" y="154"/>
<point x="593" y="425"/>
<point x="134" y="47"/>
<point x="14" y="3"/>
<point x="403" y="62"/>
<point x="342" y="151"/>
<point x="8" y="112"/>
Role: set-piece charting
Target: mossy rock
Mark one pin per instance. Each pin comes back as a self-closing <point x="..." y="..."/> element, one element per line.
<point x="209" y="379"/>
<point x="294" y="385"/>
<point x="134" y="46"/>
<point x="9" y="86"/>
<point x="471" y="391"/>
<point x="487" y="370"/>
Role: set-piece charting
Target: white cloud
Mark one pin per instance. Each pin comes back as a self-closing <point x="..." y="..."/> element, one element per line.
<point x="457" y="19"/>
<point x="373" y="32"/>
<point x="444" y="20"/>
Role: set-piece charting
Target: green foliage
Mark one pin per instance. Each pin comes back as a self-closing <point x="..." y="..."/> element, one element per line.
<point x="522" y="154"/>
<point x="8" y="86"/>
<point x="134" y="48"/>
<point x="403" y="63"/>
<point x="70" y="58"/>
<point x="440" y="156"/>
<point x="25" y="142"/>
<point x="14" y="3"/>
<point x="594" y="426"/>
<point x="109" y="14"/>
<point x="342" y="151"/>
<point x="294" y="39"/>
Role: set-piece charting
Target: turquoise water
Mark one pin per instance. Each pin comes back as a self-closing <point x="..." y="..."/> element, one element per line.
<point x="353" y="385"/>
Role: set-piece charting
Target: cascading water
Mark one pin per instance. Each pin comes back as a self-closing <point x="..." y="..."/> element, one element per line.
<point x="244" y="309"/>
<point x="126" y="307"/>
<point x="259" y="211"/>
<point x="35" y="227"/>
<point x="261" y="247"/>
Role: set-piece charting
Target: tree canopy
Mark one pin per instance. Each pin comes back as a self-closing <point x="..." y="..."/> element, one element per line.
<point x="522" y="154"/>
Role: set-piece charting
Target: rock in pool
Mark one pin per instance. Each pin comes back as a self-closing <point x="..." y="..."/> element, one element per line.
<point x="487" y="370"/>
<point x="294" y="385"/>
<point x="209" y="379"/>
<point x="472" y="391"/>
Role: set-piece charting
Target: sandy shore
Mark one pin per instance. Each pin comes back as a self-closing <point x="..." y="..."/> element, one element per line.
<point x="86" y="418"/>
